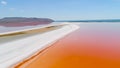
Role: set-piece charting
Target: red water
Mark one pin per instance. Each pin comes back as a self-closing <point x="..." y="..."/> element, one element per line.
<point x="91" y="46"/>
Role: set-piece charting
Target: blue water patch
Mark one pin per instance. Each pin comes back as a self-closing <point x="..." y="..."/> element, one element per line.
<point x="109" y="20"/>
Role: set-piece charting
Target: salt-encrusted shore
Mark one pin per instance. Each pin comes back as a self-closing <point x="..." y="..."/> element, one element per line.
<point x="16" y="46"/>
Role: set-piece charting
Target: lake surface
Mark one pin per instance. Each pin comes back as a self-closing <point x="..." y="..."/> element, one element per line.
<point x="9" y="29"/>
<point x="94" y="45"/>
<point x="4" y="29"/>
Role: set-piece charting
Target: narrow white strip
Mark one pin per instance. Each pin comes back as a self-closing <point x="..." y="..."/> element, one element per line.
<point x="18" y="50"/>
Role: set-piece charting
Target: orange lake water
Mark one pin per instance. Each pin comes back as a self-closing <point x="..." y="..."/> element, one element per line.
<point x="93" y="45"/>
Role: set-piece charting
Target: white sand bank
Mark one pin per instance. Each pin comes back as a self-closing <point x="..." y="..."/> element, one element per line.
<point x="16" y="48"/>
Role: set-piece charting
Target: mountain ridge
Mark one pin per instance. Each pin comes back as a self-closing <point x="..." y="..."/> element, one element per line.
<point x="24" y="21"/>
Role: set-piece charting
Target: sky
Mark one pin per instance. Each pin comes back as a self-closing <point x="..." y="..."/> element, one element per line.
<point x="61" y="9"/>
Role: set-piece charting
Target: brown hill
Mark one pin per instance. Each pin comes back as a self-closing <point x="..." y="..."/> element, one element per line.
<point x="22" y="21"/>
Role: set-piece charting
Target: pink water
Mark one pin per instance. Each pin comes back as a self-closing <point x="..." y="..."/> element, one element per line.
<point x="91" y="46"/>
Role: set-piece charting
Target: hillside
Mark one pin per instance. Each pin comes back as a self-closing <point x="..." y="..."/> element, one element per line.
<point x="22" y="21"/>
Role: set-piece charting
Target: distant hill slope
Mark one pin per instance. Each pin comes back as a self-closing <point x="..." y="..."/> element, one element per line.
<point x="22" y="21"/>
